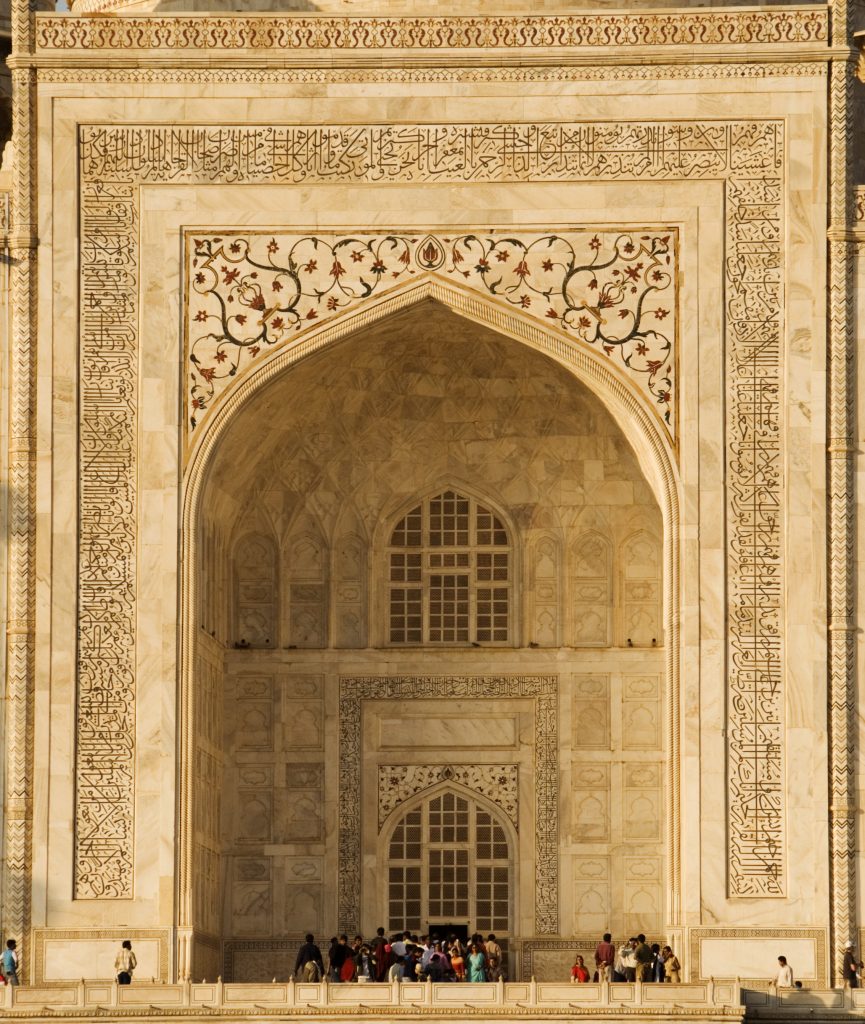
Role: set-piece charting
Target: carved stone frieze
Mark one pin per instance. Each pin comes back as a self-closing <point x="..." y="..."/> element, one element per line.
<point x="499" y="783"/>
<point x="235" y="32"/>
<point x="508" y="73"/>
<point x="543" y="690"/>
<point x="250" y="294"/>
<point x="746" y="157"/>
<point x="755" y="709"/>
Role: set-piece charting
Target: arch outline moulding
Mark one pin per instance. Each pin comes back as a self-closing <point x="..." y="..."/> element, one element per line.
<point x="465" y="789"/>
<point x="619" y="396"/>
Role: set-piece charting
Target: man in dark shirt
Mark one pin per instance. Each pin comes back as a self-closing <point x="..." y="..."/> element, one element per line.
<point x="382" y="952"/>
<point x="338" y="956"/>
<point x="643" y="956"/>
<point x="309" y="965"/>
<point x="851" y="968"/>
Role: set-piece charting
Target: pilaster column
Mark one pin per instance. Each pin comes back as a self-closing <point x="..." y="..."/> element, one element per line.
<point x="841" y="496"/>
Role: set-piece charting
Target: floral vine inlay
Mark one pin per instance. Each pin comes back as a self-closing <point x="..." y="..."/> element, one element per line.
<point x="250" y="294"/>
<point x="499" y="783"/>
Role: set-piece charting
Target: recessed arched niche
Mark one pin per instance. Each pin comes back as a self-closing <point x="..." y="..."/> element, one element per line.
<point x="425" y="498"/>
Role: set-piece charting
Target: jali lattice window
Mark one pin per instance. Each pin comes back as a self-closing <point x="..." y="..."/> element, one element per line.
<point x="448" y="861"/>
<point x="450" y="574"/>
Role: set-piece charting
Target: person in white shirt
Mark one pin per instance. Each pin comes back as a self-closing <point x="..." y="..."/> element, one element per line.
<point x="125" y="963"/>
<point x="784" y="978"/>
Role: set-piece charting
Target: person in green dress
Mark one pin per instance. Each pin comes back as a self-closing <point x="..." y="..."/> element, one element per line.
<point x="476" y="963"/>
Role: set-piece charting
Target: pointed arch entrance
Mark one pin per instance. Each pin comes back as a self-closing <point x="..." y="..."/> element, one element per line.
<point x="333" y="589"/>
<point x="450" y="859"/>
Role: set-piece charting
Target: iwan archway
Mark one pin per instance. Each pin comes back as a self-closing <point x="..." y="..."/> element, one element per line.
<point x="434" y="544"/>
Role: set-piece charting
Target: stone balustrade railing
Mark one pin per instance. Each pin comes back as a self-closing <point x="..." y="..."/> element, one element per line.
<point x="805" y="1002"/>
<point x="715" y="1001"/>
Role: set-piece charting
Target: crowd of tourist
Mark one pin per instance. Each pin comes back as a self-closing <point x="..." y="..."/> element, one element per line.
<point x="634" y="960"/>
<point x="402" y="957"/>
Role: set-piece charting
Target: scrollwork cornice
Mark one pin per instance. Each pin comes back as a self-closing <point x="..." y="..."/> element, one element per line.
<point x="798" y="26"/>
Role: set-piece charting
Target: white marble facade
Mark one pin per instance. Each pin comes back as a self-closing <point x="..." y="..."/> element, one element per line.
<point x="568" y="271"/>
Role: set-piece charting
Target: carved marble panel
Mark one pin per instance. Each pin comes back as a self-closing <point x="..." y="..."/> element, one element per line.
<point x="545" y="591"/>
<point x="300" y="804"/>
<point x="255" y="816"/>
<point x="301" y="687"/>
<point x="251" y="908"/>
<point x="260" y="960"/>
<point x="303" y="725"/>
<point x="303" y="908"/>
<point x="640" y="597"/>
<point x="591" y="713"/>
<point x="591" y="584"/>
<point x="543" y="690"/>
<point x="590" y="813"/>
<point x="643" y="906"/>
<point x="254" y="725"/>
<point x="255" y="595"/>
<point x="592" y="905"/>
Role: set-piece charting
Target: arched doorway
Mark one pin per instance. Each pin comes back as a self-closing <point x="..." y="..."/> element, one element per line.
<point x="320" y="468"/>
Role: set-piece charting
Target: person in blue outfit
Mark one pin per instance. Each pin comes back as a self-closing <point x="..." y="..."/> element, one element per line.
<point x="10" y="962"/>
